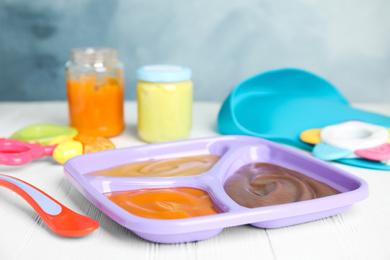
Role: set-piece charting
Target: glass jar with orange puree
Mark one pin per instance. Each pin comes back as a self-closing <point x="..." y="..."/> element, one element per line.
<point x="164" y="96"/>
<point x="95" y="90"/>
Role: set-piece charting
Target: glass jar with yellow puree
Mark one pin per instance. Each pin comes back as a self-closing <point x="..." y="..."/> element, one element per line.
<point x="164" y="96"/>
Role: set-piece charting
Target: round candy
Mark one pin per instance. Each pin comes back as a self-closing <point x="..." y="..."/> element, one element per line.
<point x="67" y="150"/>
<point x="94" y="143"/>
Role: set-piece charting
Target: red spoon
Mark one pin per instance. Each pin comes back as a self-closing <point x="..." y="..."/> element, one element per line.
<point x="57" y="217"/>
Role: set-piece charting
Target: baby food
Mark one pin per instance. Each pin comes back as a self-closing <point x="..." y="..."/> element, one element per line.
<point x="164" y="96"/>
<point x="96" y="110"/>
<point x="236" y="152"/>
<point x="95" y="88"/>
<point x="184" y="166"/>
<point x="164" y="203"/>
<point x="263" y="184"/>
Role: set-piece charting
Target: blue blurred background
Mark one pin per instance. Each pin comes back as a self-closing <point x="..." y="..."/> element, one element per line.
<point x="344" y="41"/>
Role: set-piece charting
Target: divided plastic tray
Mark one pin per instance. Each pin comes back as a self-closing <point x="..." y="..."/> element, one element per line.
<point x="235" y="151"/>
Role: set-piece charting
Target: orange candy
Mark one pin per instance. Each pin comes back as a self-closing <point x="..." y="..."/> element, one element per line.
<point x="164" y="203"/>
<point x="94" y="143"/>
<point x="96" y="106"/>
<point x="71" y="146"/>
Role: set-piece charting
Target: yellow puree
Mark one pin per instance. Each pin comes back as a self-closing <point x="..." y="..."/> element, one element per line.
<point x="164" y="110"/>
<point x="171" y="167"/>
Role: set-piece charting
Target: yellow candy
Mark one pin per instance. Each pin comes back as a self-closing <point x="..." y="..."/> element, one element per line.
<point x="311" y="136"/>
<point x="67" y="150"/>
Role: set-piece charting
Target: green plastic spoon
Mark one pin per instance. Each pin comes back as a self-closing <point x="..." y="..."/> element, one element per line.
<point x="42" y="133"/>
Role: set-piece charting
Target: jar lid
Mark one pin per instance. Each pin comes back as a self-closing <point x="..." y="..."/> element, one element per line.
<point x="164" y="73"/>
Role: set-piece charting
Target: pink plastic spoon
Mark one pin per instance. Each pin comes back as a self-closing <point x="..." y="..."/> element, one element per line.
<point x="14" y="152"/>
<point x="60" y="219"/>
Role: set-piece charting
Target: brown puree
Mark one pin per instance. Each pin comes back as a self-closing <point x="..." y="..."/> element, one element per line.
<point x="262" y="184"/>
<point x="184" y="166"/>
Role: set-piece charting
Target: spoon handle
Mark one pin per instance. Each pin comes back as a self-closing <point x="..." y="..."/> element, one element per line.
<point x="59" y="219"/>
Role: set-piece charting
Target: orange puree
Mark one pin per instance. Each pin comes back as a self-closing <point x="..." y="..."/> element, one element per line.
<point x="183" y="166"/>
<point x="164" y="203"/>
<point x="96" y="106"/>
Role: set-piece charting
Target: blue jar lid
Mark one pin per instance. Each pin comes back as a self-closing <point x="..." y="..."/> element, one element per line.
<point x="163" y="73"/>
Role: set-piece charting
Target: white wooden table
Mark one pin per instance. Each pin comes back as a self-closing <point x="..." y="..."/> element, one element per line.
<point x="362" y="232"/>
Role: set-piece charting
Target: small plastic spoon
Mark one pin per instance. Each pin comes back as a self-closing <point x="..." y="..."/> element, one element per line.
<point x="14" y="152"/>
<point x="60" y="219"/>
<point x="42" y="133"/>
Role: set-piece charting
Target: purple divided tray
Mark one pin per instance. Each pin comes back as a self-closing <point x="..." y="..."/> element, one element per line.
<point x="235" y="151"/>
